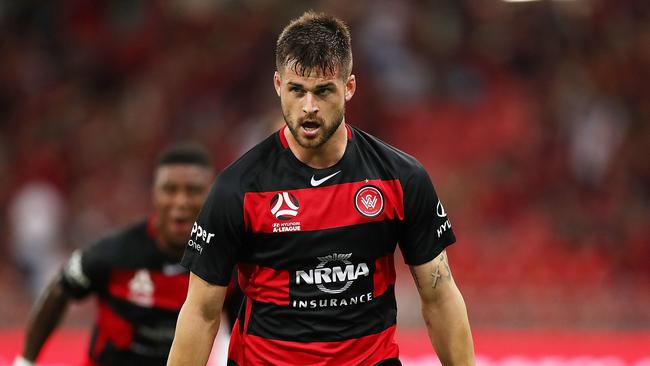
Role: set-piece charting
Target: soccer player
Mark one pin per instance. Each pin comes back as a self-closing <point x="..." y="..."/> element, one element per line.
<point x="135" y="273"/>
<point x="312" y="216"/>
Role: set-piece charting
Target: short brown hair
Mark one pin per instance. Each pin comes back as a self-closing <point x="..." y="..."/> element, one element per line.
<point x="315" y="41"/>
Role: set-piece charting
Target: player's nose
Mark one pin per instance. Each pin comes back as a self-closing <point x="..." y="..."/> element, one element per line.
<point x="309" y="104"/>
<point x="181" y="199"/>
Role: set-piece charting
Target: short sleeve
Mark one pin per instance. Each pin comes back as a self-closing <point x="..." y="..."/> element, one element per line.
<point x="84" y="272"/>
<point x="216" y="237"/>
<point x="426" y="229"/>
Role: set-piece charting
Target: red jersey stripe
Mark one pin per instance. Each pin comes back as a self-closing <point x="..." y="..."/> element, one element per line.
<point x="319" y="208"/>
<point x="264" y="284"/>
<point x="250" y="350"/>
<point x="283" y="138"/>
<point x="272" y="286"/>
<point x="157" y="289"/>
<point x="384" y="274"/>
<point x="111" y="328"/>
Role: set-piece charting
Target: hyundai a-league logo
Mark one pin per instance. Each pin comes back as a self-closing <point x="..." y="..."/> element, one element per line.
<point x="284" y="206"/>
<point x="369" y="201"/>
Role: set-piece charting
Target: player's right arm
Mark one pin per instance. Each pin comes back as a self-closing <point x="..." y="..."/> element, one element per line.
<point x="198" y="323"/>
<point x="78" y="278"/>
<point x="46" y="316"/>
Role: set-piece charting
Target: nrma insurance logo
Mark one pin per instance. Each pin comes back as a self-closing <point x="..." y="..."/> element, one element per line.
<point x="333" y="277"/>
<point x="284" y="207"/>
<point x="334" y="274"/>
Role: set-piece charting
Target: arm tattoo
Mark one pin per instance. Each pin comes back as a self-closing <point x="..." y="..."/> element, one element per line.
<point x="441" y="270"/>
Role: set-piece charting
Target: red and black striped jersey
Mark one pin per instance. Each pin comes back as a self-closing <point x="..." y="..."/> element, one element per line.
<point x="315" y="249"/>
<point x="139" y="292"/>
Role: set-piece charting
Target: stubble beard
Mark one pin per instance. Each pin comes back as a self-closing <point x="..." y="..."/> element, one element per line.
<point x="327" y="131"/>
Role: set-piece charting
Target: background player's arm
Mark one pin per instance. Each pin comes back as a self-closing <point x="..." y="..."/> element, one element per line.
<point x="198" y="323"/>
<point x="444" y="312"/>
<point x="46" y="315"/>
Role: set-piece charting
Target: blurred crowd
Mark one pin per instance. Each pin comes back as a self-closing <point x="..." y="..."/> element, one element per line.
<point x="531" y="118"/>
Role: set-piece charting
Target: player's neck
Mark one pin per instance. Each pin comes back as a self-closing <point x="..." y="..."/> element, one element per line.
<point x="323" y="156"/>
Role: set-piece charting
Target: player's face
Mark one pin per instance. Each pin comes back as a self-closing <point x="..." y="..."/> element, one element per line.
<point x="178" y="195"/>
<point x="313" y="105"/>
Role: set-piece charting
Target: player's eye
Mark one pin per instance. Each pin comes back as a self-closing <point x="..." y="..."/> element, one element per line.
<point x="168" y="188"/>
<point x="193" y="190"/>
<point x="295" y="89"/>
<point x="323" y="92"/>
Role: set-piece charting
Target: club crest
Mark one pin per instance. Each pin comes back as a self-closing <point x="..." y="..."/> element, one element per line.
<point x="369" y="201"/>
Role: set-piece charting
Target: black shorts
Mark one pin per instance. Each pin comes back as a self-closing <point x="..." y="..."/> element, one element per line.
<point x="389" y="362"/>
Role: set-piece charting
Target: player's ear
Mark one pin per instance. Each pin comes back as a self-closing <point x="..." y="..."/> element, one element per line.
<point x="277" y="82"/>
<point x="350" y="87"/>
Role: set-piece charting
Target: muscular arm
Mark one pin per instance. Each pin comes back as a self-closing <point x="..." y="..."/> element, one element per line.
<point x="444" y="312"/>
<point x="46" y="315"/>
<point x="198" y="323"/>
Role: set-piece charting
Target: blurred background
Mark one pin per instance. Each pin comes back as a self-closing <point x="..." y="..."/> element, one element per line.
<point x="530" y="116"/>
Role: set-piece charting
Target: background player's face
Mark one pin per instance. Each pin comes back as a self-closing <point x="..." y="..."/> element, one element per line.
<point x="313" y="105"/>
<point x="178" y="194"/>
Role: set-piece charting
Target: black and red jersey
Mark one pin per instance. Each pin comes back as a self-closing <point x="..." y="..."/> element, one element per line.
<point x="315" y="249"/>
<point x="139" y="292"/>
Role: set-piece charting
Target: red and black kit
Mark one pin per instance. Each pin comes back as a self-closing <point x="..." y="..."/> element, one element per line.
<point x="139" y="293"/>
<point x="315" y="249"/>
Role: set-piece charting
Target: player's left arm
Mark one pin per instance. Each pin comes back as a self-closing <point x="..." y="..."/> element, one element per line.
<point x="444" y="312"/>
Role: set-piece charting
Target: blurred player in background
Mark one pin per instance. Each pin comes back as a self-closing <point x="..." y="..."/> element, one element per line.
<point x="312" y="216"/>
<point x="135" y="273"/>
